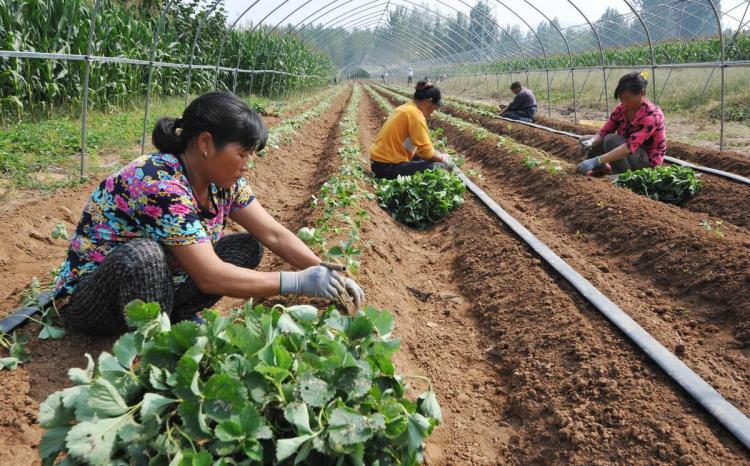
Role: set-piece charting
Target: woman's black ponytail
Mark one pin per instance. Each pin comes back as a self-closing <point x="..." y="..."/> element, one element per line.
<point x="634" y="83"/>
<point x="166" y="136"/>
<point x="223" y="114"/>
<point x="426" y="90"/>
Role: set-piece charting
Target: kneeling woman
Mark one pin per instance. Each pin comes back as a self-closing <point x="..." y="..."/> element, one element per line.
<point x="634" y="136"/>
<point x="405" y="135"/>
<point x="154" y="230"/>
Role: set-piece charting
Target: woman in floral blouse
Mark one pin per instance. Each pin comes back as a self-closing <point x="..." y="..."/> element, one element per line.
<point x="154" y="230"/>
<point x="634" y="136"/>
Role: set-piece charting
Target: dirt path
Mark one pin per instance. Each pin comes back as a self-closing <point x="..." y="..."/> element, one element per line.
<point x="567" y="387"/>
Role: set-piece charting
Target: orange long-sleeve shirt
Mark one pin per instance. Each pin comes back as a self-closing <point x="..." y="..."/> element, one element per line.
<point x="403" y="135"/>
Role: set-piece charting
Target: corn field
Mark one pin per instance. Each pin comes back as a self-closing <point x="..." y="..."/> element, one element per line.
<point x="36" y="87"/>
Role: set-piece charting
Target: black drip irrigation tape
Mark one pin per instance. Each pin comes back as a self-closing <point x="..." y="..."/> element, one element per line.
<point x="726" y="413"/>
<point x="21" y="315"/>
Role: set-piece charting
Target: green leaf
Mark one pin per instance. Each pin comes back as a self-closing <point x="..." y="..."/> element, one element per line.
<point x="52" y="444"/>
<point x="383" y="321"/>
<point x="51" y="332"/>
<point x="353" y="382"/>
<point x="361" y="327"/>
<point x="53" y="413"/>
<point x="229" y="431"/>
<point x="104" y="399"/>
<point x="298" y="416"/>
<point x="347" y="427"/>
<point x="427" y="404"/>
<point x="153" y="404"/>
<point x="287" y="325"/>
<point x="287" y="447"/>
<point x="224" y="395"/>
<point x="417" y="430"/>
<point x="303" y="313"/>
<point x="93" y="441"/>
<point x="245" y="339"/>
<point x="138" y="313"/>
<point x="314" y="391"/>
<point x="125" y="350"/>
<point x="8" y="363"/>
<point x="82" y="376"/>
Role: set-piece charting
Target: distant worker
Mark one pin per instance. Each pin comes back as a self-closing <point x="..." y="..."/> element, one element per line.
<point x="404" y="135"/>
<point x="382" y="76"/>
<point x="634" y="136"/>
<point x="410" y="76"/>
<point x="154" y="231"/>
<point x="523" y="107"/>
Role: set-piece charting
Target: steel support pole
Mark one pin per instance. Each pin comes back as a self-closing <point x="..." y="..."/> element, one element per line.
<point x="157" y="32"/>
<point x="86" y="76"/>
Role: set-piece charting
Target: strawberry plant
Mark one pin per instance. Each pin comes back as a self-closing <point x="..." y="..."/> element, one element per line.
<point x="673" y="184"/>
<point x="17" y="353"/>
<point x="422" y="199"/>
<point x="261" y="386"/>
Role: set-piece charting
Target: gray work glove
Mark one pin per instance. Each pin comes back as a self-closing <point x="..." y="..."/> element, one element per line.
<point x="588" y="165"/>
<point x="316" y="281"/>
<point x="586" y="144"/>
<point x="356" y="293"/>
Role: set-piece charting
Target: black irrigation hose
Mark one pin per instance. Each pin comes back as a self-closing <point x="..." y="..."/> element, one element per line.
<point x="21" y="315"/>
<point x="728" y="415"/>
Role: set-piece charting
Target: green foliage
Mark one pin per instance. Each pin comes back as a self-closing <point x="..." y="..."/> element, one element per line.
<point x="262" y="386"/>
<point x="62" y="26"/>
<point x="15" y="344"/>
<point x="422" y="199"/>
<point x="673" y="184"/>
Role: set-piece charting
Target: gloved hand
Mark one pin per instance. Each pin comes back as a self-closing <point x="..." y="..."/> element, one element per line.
<point x="588" y="165"/>
<point x="356" y="293"/>
<point x="448" y="161"/>
<point x="316" y="281"/>
<point x="586" y="144"/>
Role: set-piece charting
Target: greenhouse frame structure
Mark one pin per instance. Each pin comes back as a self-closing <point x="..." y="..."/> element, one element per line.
<point x="387" y="54"/>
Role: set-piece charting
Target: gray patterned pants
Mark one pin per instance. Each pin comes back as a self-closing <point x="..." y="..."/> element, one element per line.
<point x="139" y="270"/>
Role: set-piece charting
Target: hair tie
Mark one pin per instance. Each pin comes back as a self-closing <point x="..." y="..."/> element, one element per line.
<point x="644" y="74"/>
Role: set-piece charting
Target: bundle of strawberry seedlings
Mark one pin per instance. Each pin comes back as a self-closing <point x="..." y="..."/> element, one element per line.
<point x="260" y="386"/>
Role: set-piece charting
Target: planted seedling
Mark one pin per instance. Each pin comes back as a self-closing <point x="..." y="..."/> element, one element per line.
<point x="531" y="162"/>
<point x="15" y="344"/>
<point x="673" y="184"/>
<point x="714" y="228"/>
<point x="60" y="232"/>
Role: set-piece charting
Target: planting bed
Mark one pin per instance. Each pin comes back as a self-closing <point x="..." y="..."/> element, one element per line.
<point x="727" y="200"/>
<point x="526" y="371"/>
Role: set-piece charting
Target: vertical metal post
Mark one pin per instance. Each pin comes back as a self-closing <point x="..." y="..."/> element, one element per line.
<point x="650" y="47"/>
<point x="198" y="32"/>
<point x="164" y="11"/>
<point x="86" y="75"/>
<point x="723" y="71"/>
<point x="601" y="54"/>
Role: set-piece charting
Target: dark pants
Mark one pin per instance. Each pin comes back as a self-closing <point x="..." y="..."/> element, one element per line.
<point x="518" y="116"/>
<point x="408" y="80"/>
<point x="391" y="171"/>
<point x="139" y="270"/>
<point x="632" y="162"/>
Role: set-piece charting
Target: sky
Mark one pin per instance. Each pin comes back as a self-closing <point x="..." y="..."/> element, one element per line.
<point x="300" y="9"/>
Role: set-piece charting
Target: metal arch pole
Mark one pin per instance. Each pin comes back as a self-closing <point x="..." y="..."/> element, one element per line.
<point x="157" y="32"/>
<point x="198" y="32"/>
<point x="346" y="16"/>
<point x="601" y="52"/>
<point x="226" y="35"/>
<point x="377" y="30"/>
<point x="570" y="57"/>
<point x="86" y="76"/>
<point x="544" y="54"/>
<point x="723" y="69"/>
<point x="650" y="47"/>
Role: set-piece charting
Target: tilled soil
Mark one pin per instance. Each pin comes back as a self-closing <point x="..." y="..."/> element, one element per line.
<point x="525" y="371"/>
<point x="572" y="389"/>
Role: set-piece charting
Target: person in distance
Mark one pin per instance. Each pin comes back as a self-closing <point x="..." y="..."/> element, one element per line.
<point x="154" y="230"/>
<point x="403" y="146"/>
<point x="634" y="136"/>
<point x="523" y="107"/>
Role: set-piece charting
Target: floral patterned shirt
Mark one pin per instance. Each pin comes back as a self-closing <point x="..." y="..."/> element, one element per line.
<point x="647" y="130"/>
<point x="148" y="198"/>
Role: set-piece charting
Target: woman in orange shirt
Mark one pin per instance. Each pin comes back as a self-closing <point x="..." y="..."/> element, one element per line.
<point x="404" y="135"/>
